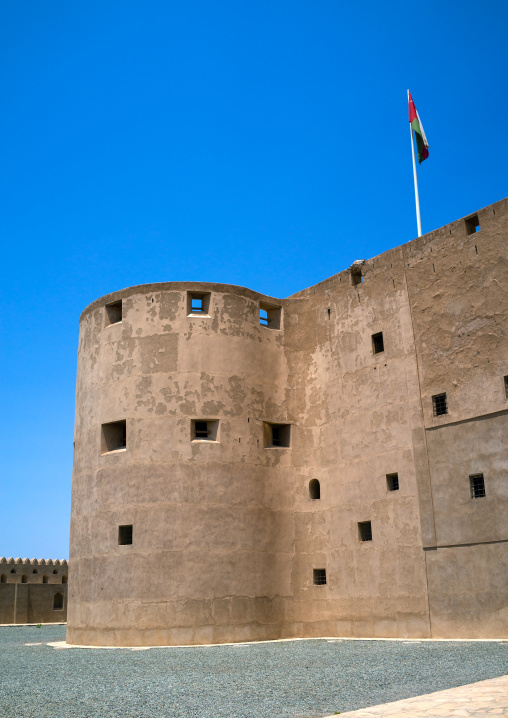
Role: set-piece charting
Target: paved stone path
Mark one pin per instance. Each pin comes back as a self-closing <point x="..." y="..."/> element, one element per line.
<point x="477" y="700"/>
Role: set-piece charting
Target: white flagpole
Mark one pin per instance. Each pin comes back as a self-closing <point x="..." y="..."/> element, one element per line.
<point x="417" y="199"/>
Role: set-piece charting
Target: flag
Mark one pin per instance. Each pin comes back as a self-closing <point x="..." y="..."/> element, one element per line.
<point x="416" y="124"/>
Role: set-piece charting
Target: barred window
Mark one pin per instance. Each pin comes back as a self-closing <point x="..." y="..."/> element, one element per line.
<point x="477" y="486"/>
<point x="439" y="404"/>
<point x="319" y="576"/>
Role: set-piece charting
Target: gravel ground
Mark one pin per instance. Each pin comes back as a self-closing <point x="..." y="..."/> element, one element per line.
<point x="296" y="679"/>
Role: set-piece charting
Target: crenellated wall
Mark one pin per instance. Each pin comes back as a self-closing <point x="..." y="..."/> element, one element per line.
<point x="33" y="590"/>
<point x="228" y="544"/>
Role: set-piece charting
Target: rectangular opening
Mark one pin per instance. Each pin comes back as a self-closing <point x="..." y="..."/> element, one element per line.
<point x="319" y="576"/>
<point x="378" y="344"/>
<point x="269" y="316"/>
<point x="113" y="313"/>
<point x="365" y="530"/>
<point x="506" y="386"/>
<point x="439" y="404"/>
<point x="125" y="535"/>
<point x="277" y="435"/>
<point x="198" y="304"/>
<point x="477" y="483"/>
<point x="392" y="481"/>
<point x="356" y="277"/>
<point x="114" y="436"/>
<point x="472" y="224"/>
<point x="204" y="429"/>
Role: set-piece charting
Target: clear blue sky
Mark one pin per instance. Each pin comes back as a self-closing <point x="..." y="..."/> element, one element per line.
<point x="261" y="143"/>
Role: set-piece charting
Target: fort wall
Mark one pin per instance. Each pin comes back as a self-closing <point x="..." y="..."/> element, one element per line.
<point x="33" y="590"/>
<point x="338" y="384"/>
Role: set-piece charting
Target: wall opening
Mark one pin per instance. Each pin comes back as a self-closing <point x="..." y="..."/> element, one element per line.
<point x="125" y="535"/>
<point x="113" y="436"/>
<point x="58" y="602"/>
<point x="198" y="304"/>
<point x="3" y="578"/>
<point x="506" y="386"/>
<point x="13" y="570"/>
<point x="439" y="404"/>
<point x="319" y="576"/>
<point x="277" y="435"/>
<point x="314" y="489"/>
<point x="24" y="579"/>
<point x="378" y="345"/>
<point x="113" y="313"/>
<point x="472" y="224"/>
<point x="269" y="316"/>
<point x="477" y="483"/>
<point x="44" y="579"/>
<point x="55" y="571"/>
<point x="356" y="277"/>
<point x="64" y="579"/>
<point x="392" y="481"/>
<point x="35" y="571"/>
<point x="365" y="530"/>
<point x="204" y="429"/>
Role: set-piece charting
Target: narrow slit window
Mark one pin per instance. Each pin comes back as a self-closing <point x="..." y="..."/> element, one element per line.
<point x="439" y="404"/>
<point x="314" y="490"/>
<point x="277" y="435"/>
<point x="506" y="386"/>
<point x="204" y="430"/>
<point x="198" y="303"/>
<point x="365" y="530"/>
<point x="319" y="576"/>
<point x="477" y="483"/>
<point x="113" y="313"/>
<point x="270" y="316"/>
<point x="378" y="344"/>
<point x="58" y="602"/>
<point x="392" y="481"/>
<point x="114" y="436"/>
<point x="125" y="535"/>
<point x="44" y="579"/>
<point x="472" y="224"/>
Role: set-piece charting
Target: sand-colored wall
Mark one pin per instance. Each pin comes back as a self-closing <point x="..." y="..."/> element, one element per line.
<point x="226" y="536"/>
<point x="28" y="588"/>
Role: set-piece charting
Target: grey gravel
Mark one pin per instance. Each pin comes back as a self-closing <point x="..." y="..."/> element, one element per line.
<point x="294" y="679"/>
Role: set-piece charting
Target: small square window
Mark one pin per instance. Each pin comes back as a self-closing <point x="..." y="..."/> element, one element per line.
<point x="269" y="316"/>
<point x="113" y="436"/>
<point x="113" y="313"/>
<point x="392" y="481"/>
<point x="378" y="345"/>
<point x="472" y="224"/>
<point x="365" y="530"/>
<point x="198" y="303"/>
<point x="277" y="435"/>
<point x="125" y="535"/>
<point x="204" y="429"/>
<point x="319" y="576"/>
<point x="477" y="486"/>
<point x="439" y="404"/>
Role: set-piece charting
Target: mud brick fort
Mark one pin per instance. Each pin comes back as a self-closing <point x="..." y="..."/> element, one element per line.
<point x="330" y="464"/>
<point x="33" y="590"/>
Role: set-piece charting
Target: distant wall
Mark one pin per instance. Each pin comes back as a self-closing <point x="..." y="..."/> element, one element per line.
<point x="33" y="590"/>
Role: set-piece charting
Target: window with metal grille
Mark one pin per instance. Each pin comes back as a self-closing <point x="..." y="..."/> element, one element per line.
<point x="365" y="530"/>
<point x="125" y="535"/>
<point x="204" y="430"/>
<point x="439" y="404"/>
<point x="477" y="486"/>
<point x="319" y="576"/>
<point x="392" y="481"/>
<point x="506" y="386"/>
<point x="378" y="345"/>
<point x="114" y="436"/>
<point x="113" y="313"/>
<point x="314" y="489"/>
<point x="58" y="602"/>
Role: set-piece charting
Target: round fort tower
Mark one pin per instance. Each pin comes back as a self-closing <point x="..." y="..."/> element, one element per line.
<point x="181" y="389"/>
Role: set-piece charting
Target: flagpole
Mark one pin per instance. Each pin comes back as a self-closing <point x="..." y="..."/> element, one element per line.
<point x="417" y="198"/>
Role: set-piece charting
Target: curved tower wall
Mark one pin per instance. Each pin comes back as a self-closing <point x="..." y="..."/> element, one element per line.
<point x="211" y="526"/>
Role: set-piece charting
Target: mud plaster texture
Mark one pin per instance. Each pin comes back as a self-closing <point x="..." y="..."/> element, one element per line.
<point x="33" y="590"/>
<point x="226" y="536"/>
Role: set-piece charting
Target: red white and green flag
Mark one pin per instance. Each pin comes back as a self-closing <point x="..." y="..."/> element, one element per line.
<point x="416" y="125"/>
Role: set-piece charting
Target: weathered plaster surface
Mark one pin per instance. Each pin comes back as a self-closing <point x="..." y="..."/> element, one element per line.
<point x="226" y="536"/>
